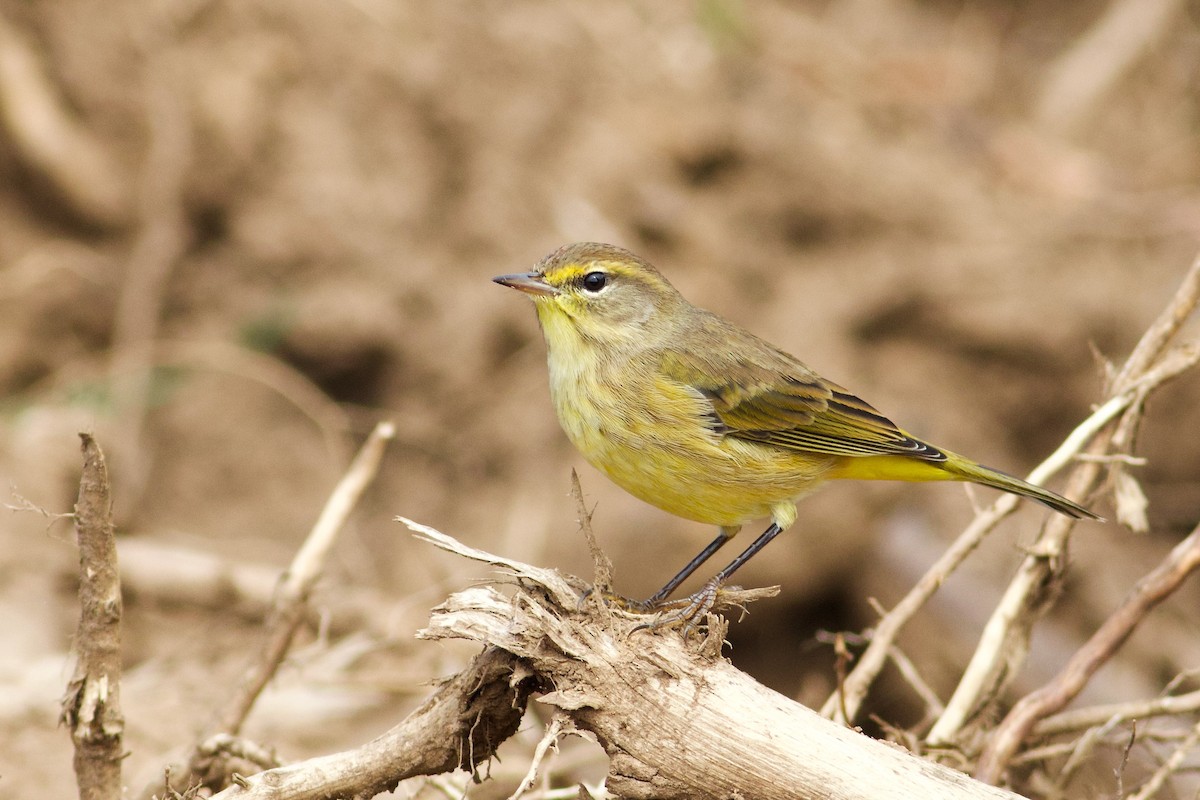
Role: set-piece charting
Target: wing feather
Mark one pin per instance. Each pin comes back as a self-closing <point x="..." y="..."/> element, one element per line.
<point x="777" y="400"/>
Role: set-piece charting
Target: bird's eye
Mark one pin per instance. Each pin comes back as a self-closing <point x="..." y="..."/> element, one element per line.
<point x="595" y="281"/>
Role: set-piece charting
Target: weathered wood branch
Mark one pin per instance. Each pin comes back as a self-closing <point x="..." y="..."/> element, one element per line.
<point x="676" y="719"/>
<point x="91" y="709"/>
<point x="459" y="727"/>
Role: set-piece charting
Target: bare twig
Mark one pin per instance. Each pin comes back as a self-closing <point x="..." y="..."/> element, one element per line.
<point x="91" y="709"/>
<point x="24" y="504"/>
<point x="291" y="601"/>
<point x="601" y="564"/>
<point x="1003" y="645"/>
<point x="910" y="673"/>
<point x="554" y="731"/>
<point x="297" y="583"/>
<point x="1078" y="719"/>
<point x="872" y="659"/>
<point x="1169" y="767"/>
<point x="1149" y="592"/>
<point x="844" y="704"/>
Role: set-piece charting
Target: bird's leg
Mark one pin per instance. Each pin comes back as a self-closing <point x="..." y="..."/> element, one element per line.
<point x="689" y="609"/>
<point x="657" y="599"/>
<point x="747" y="554"/>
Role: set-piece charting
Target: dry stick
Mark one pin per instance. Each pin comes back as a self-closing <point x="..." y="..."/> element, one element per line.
<point x="554" y="731"/>
<point x="1172" y="765"/>
<point x="459" y="727"/>
<point x="602" y="568"/>
<point x="291" y="606"/>
<point x="885" y="632"/>
<point x="91" y="709"/>
<point x="1078" y="719"/>
<point x="1002" y="646"/>
<point x="1149" y="592"/>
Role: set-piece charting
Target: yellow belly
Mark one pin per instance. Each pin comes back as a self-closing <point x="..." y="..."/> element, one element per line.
<point x="652" y="438"/>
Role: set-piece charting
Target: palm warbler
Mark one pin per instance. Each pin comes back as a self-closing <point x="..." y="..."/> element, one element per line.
<point x="701" y="418"/>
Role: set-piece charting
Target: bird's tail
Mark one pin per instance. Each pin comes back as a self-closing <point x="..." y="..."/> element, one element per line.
<point x="967" y="470"/>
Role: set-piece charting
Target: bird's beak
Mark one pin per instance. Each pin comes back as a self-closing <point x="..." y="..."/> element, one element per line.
<point x="527" y="282"/>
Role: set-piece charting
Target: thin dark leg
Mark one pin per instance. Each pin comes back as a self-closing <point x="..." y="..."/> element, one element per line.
<point x="747" y="554"/>
<point x="691" y="610"/>
<point x="693" y="565"/>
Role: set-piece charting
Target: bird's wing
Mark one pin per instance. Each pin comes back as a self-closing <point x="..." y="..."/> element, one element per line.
<point x="785" y="404"/>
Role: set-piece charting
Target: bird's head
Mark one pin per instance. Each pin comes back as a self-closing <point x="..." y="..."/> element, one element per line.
<point x="599" y="294"/>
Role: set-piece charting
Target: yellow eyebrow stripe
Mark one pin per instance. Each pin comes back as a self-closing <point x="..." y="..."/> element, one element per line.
<point x="573" y="272"/>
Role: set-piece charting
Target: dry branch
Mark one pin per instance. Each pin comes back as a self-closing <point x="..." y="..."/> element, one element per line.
<point x="1078" y="719"/>
<point x="457" y="728"/>
<point x="1004" y="643"/>
<point x="676" y="719"/>
<point x="1149" y="592"/>
<point x="845" y="704"/>
<point x="292" y="601"/>
<point x="91" y="709"/>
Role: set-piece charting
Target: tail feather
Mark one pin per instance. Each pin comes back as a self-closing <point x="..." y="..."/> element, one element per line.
<point x="977" y="473"/>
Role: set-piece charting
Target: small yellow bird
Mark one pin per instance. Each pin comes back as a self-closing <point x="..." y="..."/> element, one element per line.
<point x="701" y="418"/>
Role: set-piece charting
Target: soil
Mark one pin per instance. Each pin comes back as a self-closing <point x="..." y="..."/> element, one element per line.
<point x="271" y="225"/>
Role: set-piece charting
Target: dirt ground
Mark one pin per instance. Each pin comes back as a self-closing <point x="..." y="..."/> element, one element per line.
<point x="234" y="235"/>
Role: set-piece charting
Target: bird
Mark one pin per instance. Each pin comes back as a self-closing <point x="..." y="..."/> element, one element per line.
<point x="697" y="416"/>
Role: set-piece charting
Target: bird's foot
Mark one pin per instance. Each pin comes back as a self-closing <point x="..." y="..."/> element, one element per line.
<point x="687" y="613"/>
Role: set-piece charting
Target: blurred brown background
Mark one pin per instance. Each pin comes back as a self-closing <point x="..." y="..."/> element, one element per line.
<point x="233" y="235"/>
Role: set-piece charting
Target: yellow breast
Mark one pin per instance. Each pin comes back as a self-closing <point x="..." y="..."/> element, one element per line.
<point x="654" y="438"/>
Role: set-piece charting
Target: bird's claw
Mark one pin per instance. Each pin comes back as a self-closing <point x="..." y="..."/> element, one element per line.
<point x="686" y="613"/>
